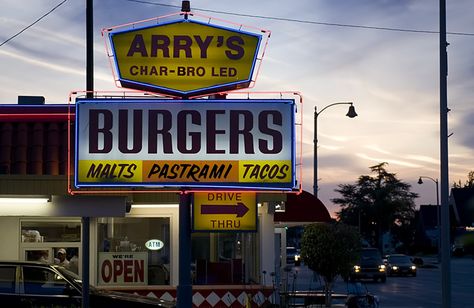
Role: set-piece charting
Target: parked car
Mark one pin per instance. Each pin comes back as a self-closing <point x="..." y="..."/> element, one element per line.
<point x="400" y="264"/>
<point x="36" y="284"/>
<point x="293" y="256"/>
<point x="369" y="266"/>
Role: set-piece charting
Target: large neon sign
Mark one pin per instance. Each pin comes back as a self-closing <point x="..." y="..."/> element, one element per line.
<point x="245" y="144"/>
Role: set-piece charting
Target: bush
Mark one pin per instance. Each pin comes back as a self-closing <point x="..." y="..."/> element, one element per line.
<point x="330" y="250"/>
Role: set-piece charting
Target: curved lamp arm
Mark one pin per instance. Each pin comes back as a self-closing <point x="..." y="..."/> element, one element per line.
<point x="351" y="113"/>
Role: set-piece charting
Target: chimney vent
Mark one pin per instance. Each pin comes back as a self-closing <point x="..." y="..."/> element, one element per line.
<point x="30" y="100"/>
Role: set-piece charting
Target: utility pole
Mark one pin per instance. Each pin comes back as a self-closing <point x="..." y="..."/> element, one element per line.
<point x="443" y="104"/>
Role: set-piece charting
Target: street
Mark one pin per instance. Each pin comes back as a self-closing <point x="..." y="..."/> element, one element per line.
<point x="421" y="291"/>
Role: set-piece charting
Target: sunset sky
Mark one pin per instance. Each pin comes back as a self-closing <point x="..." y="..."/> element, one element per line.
<point x="382" y="55"/>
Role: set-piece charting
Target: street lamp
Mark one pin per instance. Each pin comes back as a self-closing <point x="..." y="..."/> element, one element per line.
<point x="351" y="113"/>
<point x="420" y="181"/>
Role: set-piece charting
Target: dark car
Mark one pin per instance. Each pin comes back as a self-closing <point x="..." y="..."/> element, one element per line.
<point x="399" y="264"/>
<point x="369" y="266"/>
<point x="36" y="284"/>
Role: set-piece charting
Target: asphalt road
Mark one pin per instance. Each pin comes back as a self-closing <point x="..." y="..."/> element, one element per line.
<point x="422" y="291"/>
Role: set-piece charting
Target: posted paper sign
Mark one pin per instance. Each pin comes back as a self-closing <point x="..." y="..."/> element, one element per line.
<point x="123" y="268"/>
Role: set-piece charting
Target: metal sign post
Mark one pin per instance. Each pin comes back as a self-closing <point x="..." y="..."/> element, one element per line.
<point x="184" y="290"/>
<point x="90" y="89"/>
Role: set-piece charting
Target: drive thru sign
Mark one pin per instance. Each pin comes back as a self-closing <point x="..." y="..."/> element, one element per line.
<point x="224" y="211"/>
<point x="184" y="58"/>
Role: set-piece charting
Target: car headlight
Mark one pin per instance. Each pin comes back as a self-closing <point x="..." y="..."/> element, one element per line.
<point x="395" y="268"/>
<point x="356" y="268"/>
<point x="413" y="267"/>
<point x="382" y="268"/>
<point x="297" y="257"/>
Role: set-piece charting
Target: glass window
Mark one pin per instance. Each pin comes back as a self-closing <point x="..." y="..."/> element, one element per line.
<point x="41" y="255"/>
<point x="38" y="232"/>
<point x="225" y="258"/>
<point x="123" y="256"/>
<point x="67" y="257"/>
<point x="7" y="279"/>
<point x="44" y="281"/>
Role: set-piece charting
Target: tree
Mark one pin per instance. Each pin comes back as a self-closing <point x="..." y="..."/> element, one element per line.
<point x="376" y="204"/>
<point x="469" y="182"/>
<point x="330" y="250"/>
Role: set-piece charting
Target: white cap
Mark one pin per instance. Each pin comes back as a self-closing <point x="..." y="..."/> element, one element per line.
<point x="62" y="250"/>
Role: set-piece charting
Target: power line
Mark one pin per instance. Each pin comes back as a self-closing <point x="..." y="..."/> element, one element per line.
<point x="32" y="24"/>
<point x="306" y="21"/>
<point x="254" y="16"/>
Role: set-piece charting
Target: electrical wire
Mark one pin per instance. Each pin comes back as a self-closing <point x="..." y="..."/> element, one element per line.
<point x="253" y="16"/>
<point x="32" y="24"/>
<point x="305" y="21"/>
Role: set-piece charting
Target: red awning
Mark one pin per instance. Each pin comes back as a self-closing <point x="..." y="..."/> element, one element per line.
<point x="302" y="209"/>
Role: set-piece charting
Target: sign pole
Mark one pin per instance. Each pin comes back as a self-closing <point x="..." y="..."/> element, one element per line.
<point x="184" y="289"/>
<point x="90" y="89"/>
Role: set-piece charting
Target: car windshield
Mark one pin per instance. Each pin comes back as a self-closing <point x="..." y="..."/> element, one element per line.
<point x="71" y="276"/>
<point x="399" y="259"/>
<point x="370" y="253"/>
<point x="291" y="251"/>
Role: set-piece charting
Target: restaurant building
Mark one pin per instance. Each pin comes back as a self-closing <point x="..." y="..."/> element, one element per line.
<point x="133" y="236"/>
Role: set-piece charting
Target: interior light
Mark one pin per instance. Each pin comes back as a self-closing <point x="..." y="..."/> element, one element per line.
<point x="154" y="206"/>
<point x="33" y="200"/>
<point x="279" y="208"/>
<point x="15" y="206"/>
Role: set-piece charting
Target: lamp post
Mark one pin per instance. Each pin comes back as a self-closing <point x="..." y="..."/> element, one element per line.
<point x="438" y="216"/>
<point x="351" y="113"/>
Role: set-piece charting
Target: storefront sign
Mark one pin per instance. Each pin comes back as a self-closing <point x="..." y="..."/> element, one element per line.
<point x="123" y="268"/>
<point x="184" y="58"/>
<point x="174" y="143"/>
<point x="154" y="244"/>
<point x="224" y="211"/>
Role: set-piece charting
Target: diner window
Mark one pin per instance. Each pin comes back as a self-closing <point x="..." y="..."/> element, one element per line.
<point x="41" y="255"/>
<point x="52" y="241"/>
<point x="133" y="251"/>
<point x="39" y="232"/>
<point x="225" y="258"/>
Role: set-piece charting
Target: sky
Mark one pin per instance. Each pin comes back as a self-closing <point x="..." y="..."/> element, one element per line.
<point x="317" y="48"/>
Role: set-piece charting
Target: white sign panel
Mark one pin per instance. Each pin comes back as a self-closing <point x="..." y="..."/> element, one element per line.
<point x="123" y="268"/>
<point x="154" y="244"/>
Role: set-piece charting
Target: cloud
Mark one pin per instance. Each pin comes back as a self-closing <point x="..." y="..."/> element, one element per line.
<point x="376" y="148"/>
<point x="424" y="159"/>
<point x="389" y="160"/>
<point x="332" y="137"/>
<point x="51" y="66"/>
<point x="464" y="129"/>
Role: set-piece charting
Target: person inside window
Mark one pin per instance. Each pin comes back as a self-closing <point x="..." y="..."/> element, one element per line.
<point x="37" y="255"/>
<point x="74" y="263"/>
<point x="61" y="258"/>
